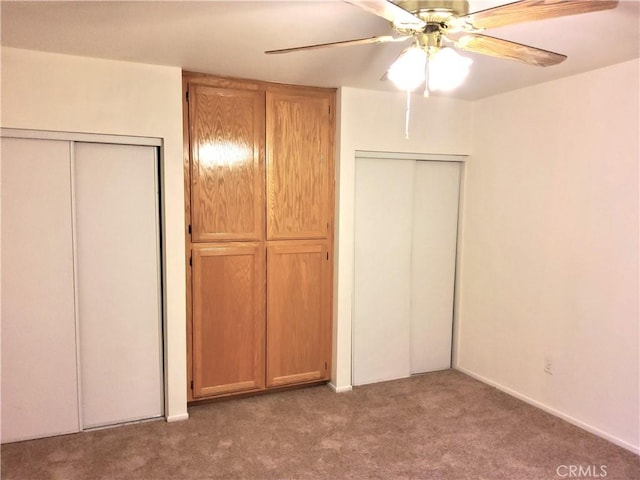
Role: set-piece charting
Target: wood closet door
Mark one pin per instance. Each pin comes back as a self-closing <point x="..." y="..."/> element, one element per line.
<point x="298" y="164"/>
<point x="228" y="318"/>
<point x="298" y="312"/>
<point x="226" y="137"/>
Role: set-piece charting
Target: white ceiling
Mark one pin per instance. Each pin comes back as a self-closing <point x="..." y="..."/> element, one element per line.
<point x="229" y="37"/>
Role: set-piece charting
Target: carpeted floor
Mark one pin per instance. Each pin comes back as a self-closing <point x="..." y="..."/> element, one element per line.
<point x="442" y="425"/>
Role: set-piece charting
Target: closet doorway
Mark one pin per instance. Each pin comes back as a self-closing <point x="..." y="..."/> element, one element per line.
<point x="406" y="222"/>
<point x="82" y="336"/>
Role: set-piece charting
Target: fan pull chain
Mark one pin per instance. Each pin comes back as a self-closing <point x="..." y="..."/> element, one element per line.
<point x="426" y="78"/>
<point x="406" y="121"/>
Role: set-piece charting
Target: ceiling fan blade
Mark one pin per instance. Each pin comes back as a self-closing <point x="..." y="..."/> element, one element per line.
<point x="531" y="10"/>
<point x="345" y="43"/>
<point x="392" y="12"/>
<point x="496" y="47"/>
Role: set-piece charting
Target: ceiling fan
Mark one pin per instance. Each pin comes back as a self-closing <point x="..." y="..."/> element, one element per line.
<point x="434" y="25"/>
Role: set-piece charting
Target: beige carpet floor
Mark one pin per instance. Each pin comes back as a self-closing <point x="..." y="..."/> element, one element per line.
<point x="442" y="425"/>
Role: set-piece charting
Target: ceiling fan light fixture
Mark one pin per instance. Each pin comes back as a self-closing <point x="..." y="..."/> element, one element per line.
<point x="447" y="70"/>
<point x="408" y="71"/>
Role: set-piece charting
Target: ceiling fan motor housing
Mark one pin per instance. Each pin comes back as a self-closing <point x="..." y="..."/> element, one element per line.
<point x="438" y="15"/>
<point x="432" y="10"/>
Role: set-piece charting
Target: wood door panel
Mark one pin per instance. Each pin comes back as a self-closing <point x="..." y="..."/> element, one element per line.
<point x="228" y="318"/>
<point x="298" y="323"/>
<point x="227" y="163"/>
<point x="298" y="162"/>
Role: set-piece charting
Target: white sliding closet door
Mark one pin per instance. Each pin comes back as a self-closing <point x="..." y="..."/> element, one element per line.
<point x="435" y="231"/>
<point x="406" y="216"/>
<point x="118" y="283"/>
<point x="39" y="382"/>
<point x="383" y="206"/>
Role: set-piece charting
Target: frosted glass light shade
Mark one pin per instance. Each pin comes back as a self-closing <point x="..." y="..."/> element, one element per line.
<point x="447" y="70"/>
<point x="408" y="71"/>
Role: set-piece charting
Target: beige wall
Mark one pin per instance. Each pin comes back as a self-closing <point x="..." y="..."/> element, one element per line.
<point x="375" y="121"/>
<point x="44" y="91"/>
<point x="550" y="249"/>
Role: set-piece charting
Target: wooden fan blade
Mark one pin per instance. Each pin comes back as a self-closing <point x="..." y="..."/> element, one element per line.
<point x="345" y="43"/>
<point x="531" y="10"/>
<point x="392" y="12"/>
<point x="496" y="47"/>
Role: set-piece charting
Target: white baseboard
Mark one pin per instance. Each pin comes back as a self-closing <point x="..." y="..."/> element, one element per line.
<point x="177" y="418"/>
<point x="346" y="388"/>
<point x="574" y="421"/>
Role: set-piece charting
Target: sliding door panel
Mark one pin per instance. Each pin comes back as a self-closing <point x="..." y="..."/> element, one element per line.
<point x="118" y="283"/>
<point x="383" y="204"/>
<point x="435" y="229"/>
<point x="39" y="374"/>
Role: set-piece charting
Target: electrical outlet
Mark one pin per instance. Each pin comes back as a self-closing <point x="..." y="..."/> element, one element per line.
<point x="548" y="366"/>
